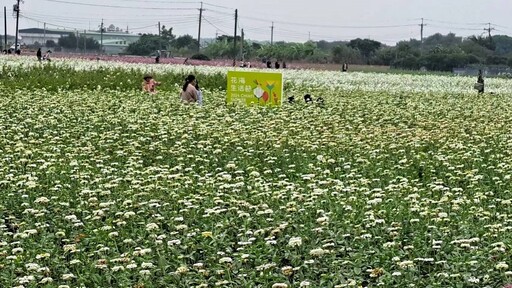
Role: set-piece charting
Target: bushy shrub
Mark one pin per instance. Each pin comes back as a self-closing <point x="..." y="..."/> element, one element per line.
<point x="200" y="57"/>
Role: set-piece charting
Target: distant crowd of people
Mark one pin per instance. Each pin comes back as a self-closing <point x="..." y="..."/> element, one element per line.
<point x="45" y="57"/>
<point x="277" y="65"/>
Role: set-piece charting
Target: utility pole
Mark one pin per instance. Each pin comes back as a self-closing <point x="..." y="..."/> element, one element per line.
<point x="101" y="37"/>
<point x="309" y="36"/>
<point x="44" y="34"/>
<point x="159" y="37"/>
<point x="17" y="9"/>
<point x="5" y="28"/>
<point x="272" y="34"/>
<point x="85" y="41"/>
<point x="242" y="45"/>
<point x="77" y="38"/>
<point x="199" y="32"/>
<point x="234" y="40"/>
<point x="422" y="25"/>
<point x="489" y="31"/>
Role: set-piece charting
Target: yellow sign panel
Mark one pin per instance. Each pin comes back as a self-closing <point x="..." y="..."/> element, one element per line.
<point x="254" y="88"/>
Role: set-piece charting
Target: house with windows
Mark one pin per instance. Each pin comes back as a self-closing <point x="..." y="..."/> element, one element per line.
<point x="113" y="42"/>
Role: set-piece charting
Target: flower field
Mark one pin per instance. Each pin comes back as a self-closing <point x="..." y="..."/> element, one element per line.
<point x="397" y="181"/>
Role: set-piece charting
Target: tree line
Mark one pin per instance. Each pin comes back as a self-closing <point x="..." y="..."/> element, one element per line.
<point x="436" y="53"/>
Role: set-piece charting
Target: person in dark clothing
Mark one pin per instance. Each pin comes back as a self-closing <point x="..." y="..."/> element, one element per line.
<point x="269" y="64"/>
<point x="157" y="58"/>
<point x="320" y="101"/>
<point x="39" y="55"/>
<point x="479" y="86"/>
<point x="344" y="67"/>
<point x="276" y="65"/>
<point x="308" y="99"/>
<point x="284" y="65"/>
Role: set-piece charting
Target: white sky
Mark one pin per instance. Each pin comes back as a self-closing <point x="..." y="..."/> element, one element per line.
<point x="297" y="20"/>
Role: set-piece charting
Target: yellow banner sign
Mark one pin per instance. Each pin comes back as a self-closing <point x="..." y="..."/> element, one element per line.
<point x="254" y="88"/>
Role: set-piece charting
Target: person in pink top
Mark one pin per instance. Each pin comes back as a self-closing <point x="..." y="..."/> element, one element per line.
<point x="149" y="84"/>
<point x="189" y="92"/>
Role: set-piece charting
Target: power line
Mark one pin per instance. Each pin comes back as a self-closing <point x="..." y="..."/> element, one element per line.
<point x="47" y="23"/>
<point x="214" y="26"/>
<point x="218" y="6"/>
<point x="117" y="6"/>
<point x="153" y="16"/>
<point x="166" y="2"/>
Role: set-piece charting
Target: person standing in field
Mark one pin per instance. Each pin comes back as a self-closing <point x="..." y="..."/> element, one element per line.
<point x="157" y="58"/>
<point x="47" y="56"/>
<point x="479" y="86"/>
<point x="39" y="55"/>
<point x="189" y="91"/>
<point x="149" y="84"/>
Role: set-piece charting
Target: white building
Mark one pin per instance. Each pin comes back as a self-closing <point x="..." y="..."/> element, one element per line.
<point x="113" y="42"/>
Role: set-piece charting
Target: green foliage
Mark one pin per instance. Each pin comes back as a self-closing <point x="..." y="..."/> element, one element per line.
<point x="50" y="43"/>
<point x="200" y="57"/>
<point x="219" y="49"/>
<point x="71" y="41"/>
<point x="366" y="46"/>
<point x="149" y="43"/>
<point x="185" y="42"/>
<point x="344" y="54"/>
<point x="396" y="180"/>
<point x="53" y="78"/>
<point x="146" y="45"/>
<point x="503" y="44"/>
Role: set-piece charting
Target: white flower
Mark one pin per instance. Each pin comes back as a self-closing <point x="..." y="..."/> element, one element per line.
<point x="473" y="280"/>
<point x="318" y="252"/>
<point x="17" y="250"/>
<point x="46" y="280"/>
<point x="501" y="266"/>
<point x="68" y="276"/>
<point x="26" y="279"/>
<point x="42" y="200"/>
<point x="144" y="272"/>
<point x="225" y="260"/>
<point x="151" y="226"/>
<point x="74" y="262"/>
<point x="295" y="242"/>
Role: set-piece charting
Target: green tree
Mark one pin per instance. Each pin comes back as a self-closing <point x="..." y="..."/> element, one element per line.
<point x="68" y="41"/>
<point x="71" y="41"/>
<point x="345" y="54"/>
<point x="185" y="42"/>
<point x="366" y="46"/>
<point x="149" y="43"/>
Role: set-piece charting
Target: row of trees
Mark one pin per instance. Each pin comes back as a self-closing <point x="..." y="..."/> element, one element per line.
<point x="81" y="42"/>
<point x="437" y="52"/>
<point x="148" y="43"/>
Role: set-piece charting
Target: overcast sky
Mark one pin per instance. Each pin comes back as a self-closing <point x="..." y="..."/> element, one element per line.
<point x="387" y="21"/>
